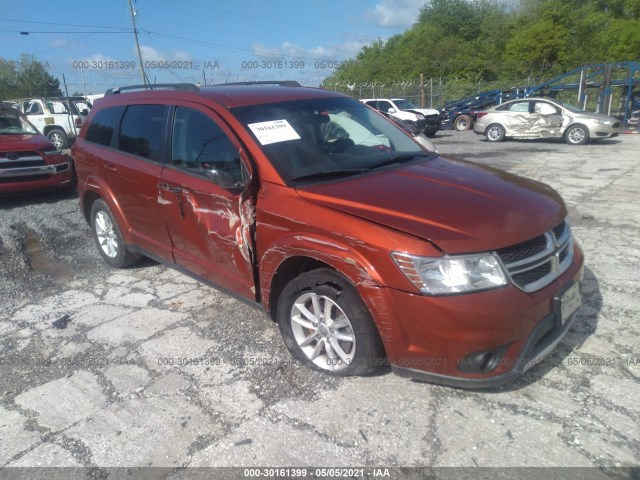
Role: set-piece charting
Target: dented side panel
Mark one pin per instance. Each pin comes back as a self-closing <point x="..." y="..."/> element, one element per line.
<point x="209" y="228"/>
<point x="289" y="226"/>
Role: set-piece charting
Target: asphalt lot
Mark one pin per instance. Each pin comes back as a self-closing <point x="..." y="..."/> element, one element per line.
<point x="97" y="369"/>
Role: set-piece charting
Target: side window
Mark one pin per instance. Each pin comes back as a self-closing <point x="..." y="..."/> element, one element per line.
<point x="57" y="107"/>
<point x="545" y="108"/>
<point x="141" y="131"/>
<point x="519" y="107"/>
<point x="198" y="145"/>
<point x="384" y="106"/>
<point x="33" y="108"/>
<point x="103" y="125"/>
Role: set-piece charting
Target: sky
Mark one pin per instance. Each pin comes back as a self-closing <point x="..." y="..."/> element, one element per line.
<point x="92" y="44"/>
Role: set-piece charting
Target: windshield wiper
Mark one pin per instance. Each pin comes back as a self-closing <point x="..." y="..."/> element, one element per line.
<point x="330" y="174"/>
<point x="355" y="171"/>
<point x="397" y="159"/>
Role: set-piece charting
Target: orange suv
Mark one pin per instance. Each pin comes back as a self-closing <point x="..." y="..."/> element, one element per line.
<point x="365" y="248"/>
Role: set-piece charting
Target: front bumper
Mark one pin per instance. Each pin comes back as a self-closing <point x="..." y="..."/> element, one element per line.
<point x="431" y="338"/>
<point x="542" y="340"/>
<point x="22" y="179"/>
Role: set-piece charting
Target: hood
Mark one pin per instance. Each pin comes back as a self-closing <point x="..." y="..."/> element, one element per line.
<point x="424" y="111"/>
<point x="459" y="206"/>
<point x="21" y="143"/>
<point x="598" y="116"/>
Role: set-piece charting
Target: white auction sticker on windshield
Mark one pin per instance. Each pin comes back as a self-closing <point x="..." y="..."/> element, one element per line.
<point x="273" y="131"/>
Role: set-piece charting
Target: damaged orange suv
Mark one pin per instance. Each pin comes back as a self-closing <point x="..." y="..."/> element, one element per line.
<point x="365" y="248"/>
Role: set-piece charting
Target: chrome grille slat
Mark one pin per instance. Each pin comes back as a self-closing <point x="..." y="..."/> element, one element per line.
<point x="531" y="267"/>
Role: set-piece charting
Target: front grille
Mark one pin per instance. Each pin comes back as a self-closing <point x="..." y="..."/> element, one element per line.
<point x="616" y="125"/>
<point x="536" y="263"/>
<point x="17" y="155"/>
<point x="524" y="250"/>
<point x="25" y="178"/>
<point x="23" y="163"/>
<point x="20" y="159"/>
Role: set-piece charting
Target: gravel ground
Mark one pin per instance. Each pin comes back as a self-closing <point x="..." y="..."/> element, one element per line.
<point x="91" y="374"/>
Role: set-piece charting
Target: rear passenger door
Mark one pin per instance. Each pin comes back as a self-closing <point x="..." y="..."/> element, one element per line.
<point x="132" y="173"/>
<point x="518" y="119"/>
<point x="208" y="214"/>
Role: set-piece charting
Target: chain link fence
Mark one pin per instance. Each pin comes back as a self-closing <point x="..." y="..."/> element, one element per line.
<point x="423" y="92"/>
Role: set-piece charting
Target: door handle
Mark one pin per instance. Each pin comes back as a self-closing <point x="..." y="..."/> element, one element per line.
<point x="168" y="188"/>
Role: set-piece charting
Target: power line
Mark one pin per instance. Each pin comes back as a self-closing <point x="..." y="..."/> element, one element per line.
<point x="59" y="24"/>
<point x="29" y="32"/>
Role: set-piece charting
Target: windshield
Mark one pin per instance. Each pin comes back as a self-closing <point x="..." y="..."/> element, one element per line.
<point x="404" y="104"/>
<point x="319" y="139"/>
<point x="11" y="123"/>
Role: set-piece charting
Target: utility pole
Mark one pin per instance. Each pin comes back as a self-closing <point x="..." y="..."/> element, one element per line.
<point x="135" y="35"/>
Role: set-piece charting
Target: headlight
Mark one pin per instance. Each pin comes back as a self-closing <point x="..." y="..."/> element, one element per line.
<point x="600" y="121"/>
<point x="451" y="274"/>
<point x="52" y="152"/>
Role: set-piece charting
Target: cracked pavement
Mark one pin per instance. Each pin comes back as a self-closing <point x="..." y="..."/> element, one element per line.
<point x="146" y="367"/>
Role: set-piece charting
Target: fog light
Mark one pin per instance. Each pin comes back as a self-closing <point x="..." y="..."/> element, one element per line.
<point x="484" y="361"/>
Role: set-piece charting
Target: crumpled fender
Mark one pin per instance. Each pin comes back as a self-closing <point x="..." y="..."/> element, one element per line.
<point x="339" y="255"/>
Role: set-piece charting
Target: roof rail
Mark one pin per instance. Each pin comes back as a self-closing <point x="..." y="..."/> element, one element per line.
<point x="281" y="83"/>
<point x="187" y="87"/>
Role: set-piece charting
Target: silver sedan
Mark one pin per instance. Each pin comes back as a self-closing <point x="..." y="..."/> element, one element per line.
<point x="544" y="118"/>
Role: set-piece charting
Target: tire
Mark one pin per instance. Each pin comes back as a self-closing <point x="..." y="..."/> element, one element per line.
<point x="462" y="122"/>
<point x="58" y="137"/>
<point x="108" y="238"/>
<point x="494" y="132"/>
<point x="577" y="135"/>
<point x="347" y="328"/>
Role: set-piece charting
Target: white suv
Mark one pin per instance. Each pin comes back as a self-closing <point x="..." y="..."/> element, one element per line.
<point x="55" y="118"/>
<point x="427" y="119"/>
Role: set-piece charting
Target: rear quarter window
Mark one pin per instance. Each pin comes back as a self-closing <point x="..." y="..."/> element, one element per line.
<point x="103" y="125"/>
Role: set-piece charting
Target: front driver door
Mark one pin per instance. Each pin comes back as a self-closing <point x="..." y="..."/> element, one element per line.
<point x="547" y="119"/>
<point x="207" y="208"/>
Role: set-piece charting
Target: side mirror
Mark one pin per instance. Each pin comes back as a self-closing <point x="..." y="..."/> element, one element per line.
<point x="220" y="178"/>
<point x="391" y="110"/>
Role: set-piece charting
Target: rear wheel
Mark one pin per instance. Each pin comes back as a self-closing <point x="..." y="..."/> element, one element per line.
<point x="108" y="238"/>
<point x="463" y="122"/>
<point x="577" y="135"/>
<point x="325" y="324"/>
<point x="494" y="132"/>
<point x="58" y="137"/>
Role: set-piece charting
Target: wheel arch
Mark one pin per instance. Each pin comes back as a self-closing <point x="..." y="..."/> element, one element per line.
<point x="100" y="191"/>
<point x="576" y="124"/>
<point x="48" y="128"/>
<point x="299" y="254"/>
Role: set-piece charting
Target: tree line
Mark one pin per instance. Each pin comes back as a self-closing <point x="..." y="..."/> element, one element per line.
<point x="26" y="77"/>
<point x="492" y="40"/>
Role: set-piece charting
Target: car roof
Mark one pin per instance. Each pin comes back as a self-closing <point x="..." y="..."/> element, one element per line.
<point x="230" y="95"/>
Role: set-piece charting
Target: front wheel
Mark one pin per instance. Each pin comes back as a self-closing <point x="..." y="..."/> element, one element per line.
<point x="577" y="135"/>
<point x="325" y="324"/>
<point x="58" y="137"/>
<point x="495" y="132"/>
<point x="108" y="238"/>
